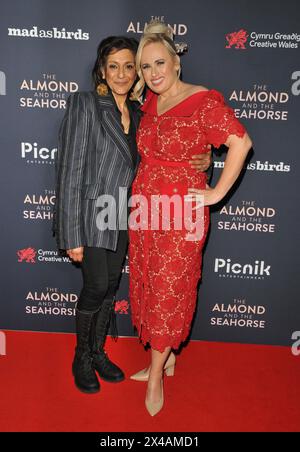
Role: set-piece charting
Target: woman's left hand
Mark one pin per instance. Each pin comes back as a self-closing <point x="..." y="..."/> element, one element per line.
<point x="206" y="197"/>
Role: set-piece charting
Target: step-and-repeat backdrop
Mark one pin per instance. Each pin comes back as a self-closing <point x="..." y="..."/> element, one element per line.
<point x="250" y="51"/>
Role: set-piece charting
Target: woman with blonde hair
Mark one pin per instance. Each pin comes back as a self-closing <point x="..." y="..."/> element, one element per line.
<point x="179" y="120"/>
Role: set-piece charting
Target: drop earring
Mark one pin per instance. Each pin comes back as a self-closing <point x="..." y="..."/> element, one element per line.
<point x="102" y="88"/>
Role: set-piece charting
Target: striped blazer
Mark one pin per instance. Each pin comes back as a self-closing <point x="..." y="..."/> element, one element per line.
<point x="93" y="159"/>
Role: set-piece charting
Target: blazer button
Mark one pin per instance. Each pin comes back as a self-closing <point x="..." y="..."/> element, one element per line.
<point x="175" y="190"/>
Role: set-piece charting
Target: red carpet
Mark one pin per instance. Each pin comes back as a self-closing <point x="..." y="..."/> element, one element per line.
<point x="217" y="387"/>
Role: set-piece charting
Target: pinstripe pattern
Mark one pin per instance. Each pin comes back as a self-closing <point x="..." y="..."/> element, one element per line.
<point x="93" y="158"/>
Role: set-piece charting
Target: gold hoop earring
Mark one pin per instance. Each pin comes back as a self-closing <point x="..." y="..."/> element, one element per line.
<point x="102" y="89"/>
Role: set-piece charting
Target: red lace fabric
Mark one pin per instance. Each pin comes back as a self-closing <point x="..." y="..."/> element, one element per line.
<point x="165" y="268"/>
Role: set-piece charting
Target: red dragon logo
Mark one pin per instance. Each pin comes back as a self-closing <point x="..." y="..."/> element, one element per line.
<point x="237" y="39"/>
<point x="122" y="306"/>
<point x="27" y="255"/>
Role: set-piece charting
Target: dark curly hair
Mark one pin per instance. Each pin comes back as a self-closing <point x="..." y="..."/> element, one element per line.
<point x="108" y="45"/>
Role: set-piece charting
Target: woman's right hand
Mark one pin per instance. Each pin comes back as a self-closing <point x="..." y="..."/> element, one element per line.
<point x="202" y="162"/>
<point x="76" y="254"/>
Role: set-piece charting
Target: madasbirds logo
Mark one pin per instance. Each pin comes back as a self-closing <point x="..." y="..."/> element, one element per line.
<point x="238" y="313"/>
<point x="243" y="39"/>
<point x="46" y="91"/>
<point x="53" y="33"/>
<point x="261" y="166"/>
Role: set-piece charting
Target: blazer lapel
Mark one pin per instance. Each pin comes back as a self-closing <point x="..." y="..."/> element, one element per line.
<point x="135" y="116"/>
<point x="111" y="121"/>
<point x="136" y="113"/>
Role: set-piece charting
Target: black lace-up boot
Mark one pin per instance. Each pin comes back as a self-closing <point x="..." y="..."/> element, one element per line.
<point x="106" y="369"/>
<point x="83" y="371"/>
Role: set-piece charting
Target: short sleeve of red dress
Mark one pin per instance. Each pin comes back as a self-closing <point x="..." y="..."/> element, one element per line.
<point x="218" y="120"/>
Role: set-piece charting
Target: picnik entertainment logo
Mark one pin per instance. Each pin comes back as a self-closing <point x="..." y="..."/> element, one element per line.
<point x="36" y="154"/>
<point x="226" y="268"/>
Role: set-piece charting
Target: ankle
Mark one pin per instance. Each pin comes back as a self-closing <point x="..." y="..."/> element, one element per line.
<point x="155" y="374"/>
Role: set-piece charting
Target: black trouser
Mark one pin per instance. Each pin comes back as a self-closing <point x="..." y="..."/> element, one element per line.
<point x="101" y="270"/>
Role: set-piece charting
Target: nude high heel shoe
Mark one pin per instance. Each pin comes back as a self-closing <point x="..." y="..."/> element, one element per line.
<point x="154" y="407"/>
<point x="169" y="370"/>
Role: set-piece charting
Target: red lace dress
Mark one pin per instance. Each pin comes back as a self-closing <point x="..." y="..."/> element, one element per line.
<point x="165" y="267"/>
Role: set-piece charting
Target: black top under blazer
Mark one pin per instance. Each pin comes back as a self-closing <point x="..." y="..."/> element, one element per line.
<point x="93" y="159"/>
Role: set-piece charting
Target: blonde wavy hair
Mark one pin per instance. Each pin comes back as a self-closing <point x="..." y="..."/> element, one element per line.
<point x="154" y="32"/>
